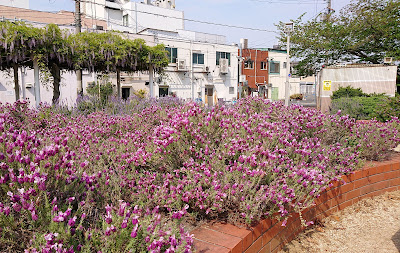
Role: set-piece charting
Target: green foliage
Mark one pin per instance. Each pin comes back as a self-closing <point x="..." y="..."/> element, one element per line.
<point x="348" y="92"/>
<point x="364" y="31"/>
<point x="297" y="96"/>
<point x="101" y="91"/>
<point x="363" y="108"/>
<point x="140" y="93"/>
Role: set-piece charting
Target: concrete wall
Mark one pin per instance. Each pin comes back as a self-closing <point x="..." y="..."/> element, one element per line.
<point x="370" y="78"/>
<point x="278" y="80"/>
<point x="68" y="87"/>
<point x="60" y="18"/>
<point x="16" y="3"/>
<point x="149" y="16"/>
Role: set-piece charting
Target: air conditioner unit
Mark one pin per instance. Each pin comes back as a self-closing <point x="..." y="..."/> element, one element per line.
<point x="181" y="65"/>
<point x="28" y="85"/>
<point x="223" y="66"/>
<point x="388" y="60"/>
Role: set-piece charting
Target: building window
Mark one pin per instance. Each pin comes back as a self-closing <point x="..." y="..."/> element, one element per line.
<point x="249" y="64"/>
<point x="231" y="90"/>
<point x="198" y="58"/>
<point x="264" y="65"/>
<point x="284" y="65"/>
<point x="125" y="20"/>
<point x="224" y="55"/>
<point x="172" y="53"/>
<point x="274" y="67"/>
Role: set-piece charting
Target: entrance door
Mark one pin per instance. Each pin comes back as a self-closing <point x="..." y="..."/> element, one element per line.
<point x="209" y="96"/>
<point x="274" y="93"/>
<point x="126" y="92"/>
<point x="163" y="92"/>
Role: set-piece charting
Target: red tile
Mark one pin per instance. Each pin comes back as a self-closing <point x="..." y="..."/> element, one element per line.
<point x="367" y="189"/>
<point x="245" y="234"/>
<point x="353" y="194"/>
<point x="205" y="247"/>
<point x="267" y="224"/>
<point x="345" y="204"/>
<point x="386" y="167"/>
<point x="360" y="183"/>
<point x="395" y="182"/>
<point x="396" y="166"/>
<point x="266" y="249"/>
<point x="392" y="174"/>
<point x="376" y="178"/>
<point x="215" y="237"/>
<point x="257" y="231"/>
<point x="255" y="247"/>
<point x="271" y="233"/>
<point x="346" y="187"/>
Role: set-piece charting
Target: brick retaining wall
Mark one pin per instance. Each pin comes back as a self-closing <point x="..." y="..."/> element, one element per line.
<point x="269" y="235"/>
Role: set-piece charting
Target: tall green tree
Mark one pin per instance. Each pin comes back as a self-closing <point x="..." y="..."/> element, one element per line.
<point x="364" y="31"/>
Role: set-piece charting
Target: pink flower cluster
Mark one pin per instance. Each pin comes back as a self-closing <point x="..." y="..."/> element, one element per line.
<point x="134" y="179"/>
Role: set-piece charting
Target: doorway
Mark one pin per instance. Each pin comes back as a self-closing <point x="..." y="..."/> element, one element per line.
<point x="163" y="91"/>
<point x="126" y="92"/>
<point x="209" y="92"/>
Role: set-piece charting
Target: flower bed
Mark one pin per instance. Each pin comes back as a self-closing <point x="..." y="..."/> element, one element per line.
<point x="72" y="181"/>
<point x="270" y="236"/>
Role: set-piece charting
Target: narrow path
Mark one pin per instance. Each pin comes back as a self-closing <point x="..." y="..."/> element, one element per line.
<point x="371" y="225"/>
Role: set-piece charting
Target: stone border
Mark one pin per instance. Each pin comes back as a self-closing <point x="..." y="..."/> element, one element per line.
<point x="374" y="179"/>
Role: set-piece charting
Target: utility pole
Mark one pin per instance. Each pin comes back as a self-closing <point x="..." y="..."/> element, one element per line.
<point x="288" y="28"/>
<point x="78" y="29"/>
<point x="240" y="70"/>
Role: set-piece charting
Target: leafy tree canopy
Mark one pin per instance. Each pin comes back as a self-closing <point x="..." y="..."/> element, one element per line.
<point x="364" y="31"/>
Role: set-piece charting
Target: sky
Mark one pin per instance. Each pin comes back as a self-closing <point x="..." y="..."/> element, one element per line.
<point x="259" y="14"/>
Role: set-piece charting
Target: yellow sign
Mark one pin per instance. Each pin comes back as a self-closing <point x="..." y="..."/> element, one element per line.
<point x="327" y="85"/>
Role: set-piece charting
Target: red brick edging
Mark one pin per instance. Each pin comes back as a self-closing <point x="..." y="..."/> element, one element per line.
<point x="269" y="235"/>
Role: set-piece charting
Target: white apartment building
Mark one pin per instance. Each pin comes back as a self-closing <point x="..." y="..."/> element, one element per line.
<point x="202" y="66"/>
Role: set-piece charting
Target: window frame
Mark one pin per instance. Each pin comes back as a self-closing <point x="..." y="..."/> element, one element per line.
<point x="264" y="65"/>
<point x="226" y="55"/>
<point x="274" y="63"/>
<point x="125" y="20"/>
<point x="171" y="51"/>
<point x="196" y="57"/>
<point x="247" y="62"/>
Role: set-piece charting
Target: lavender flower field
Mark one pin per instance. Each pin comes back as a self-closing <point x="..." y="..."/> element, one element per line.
<point x="135" y="177"/>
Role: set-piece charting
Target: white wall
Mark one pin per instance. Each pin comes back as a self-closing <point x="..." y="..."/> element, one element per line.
<point x="153" y="17"/>
<point x="16" y="3"/>
<point x="68" y="87"/>
<point x="195" y="79"/>
<point x="278" y="80"/>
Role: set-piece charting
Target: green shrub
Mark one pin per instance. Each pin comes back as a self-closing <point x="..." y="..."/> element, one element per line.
<point x="363" y="108"/>
<point x="297" y="96"/>
<point x="348" y="92"/>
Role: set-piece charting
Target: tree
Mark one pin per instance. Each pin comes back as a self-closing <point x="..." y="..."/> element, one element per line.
<point x="55" y="54"/>
<point x="365" y="31"/>
<point x="18" y="42"/>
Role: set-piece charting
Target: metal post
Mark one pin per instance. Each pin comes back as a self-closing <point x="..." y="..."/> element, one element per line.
<point x="23" y="84"/>
<point x="78" y="29"/>
<point x="37" y="82"/>
<point x="119" y="83"/>
<point x="191" y="70"/>
<point x="287" y="85"/>
<point x="151" y="82"/>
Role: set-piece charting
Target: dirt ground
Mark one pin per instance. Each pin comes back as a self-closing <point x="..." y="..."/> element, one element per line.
<point x="371" y="225"/>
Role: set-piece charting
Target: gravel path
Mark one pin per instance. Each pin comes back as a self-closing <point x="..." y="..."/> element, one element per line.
<point x="371" y="225"/>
